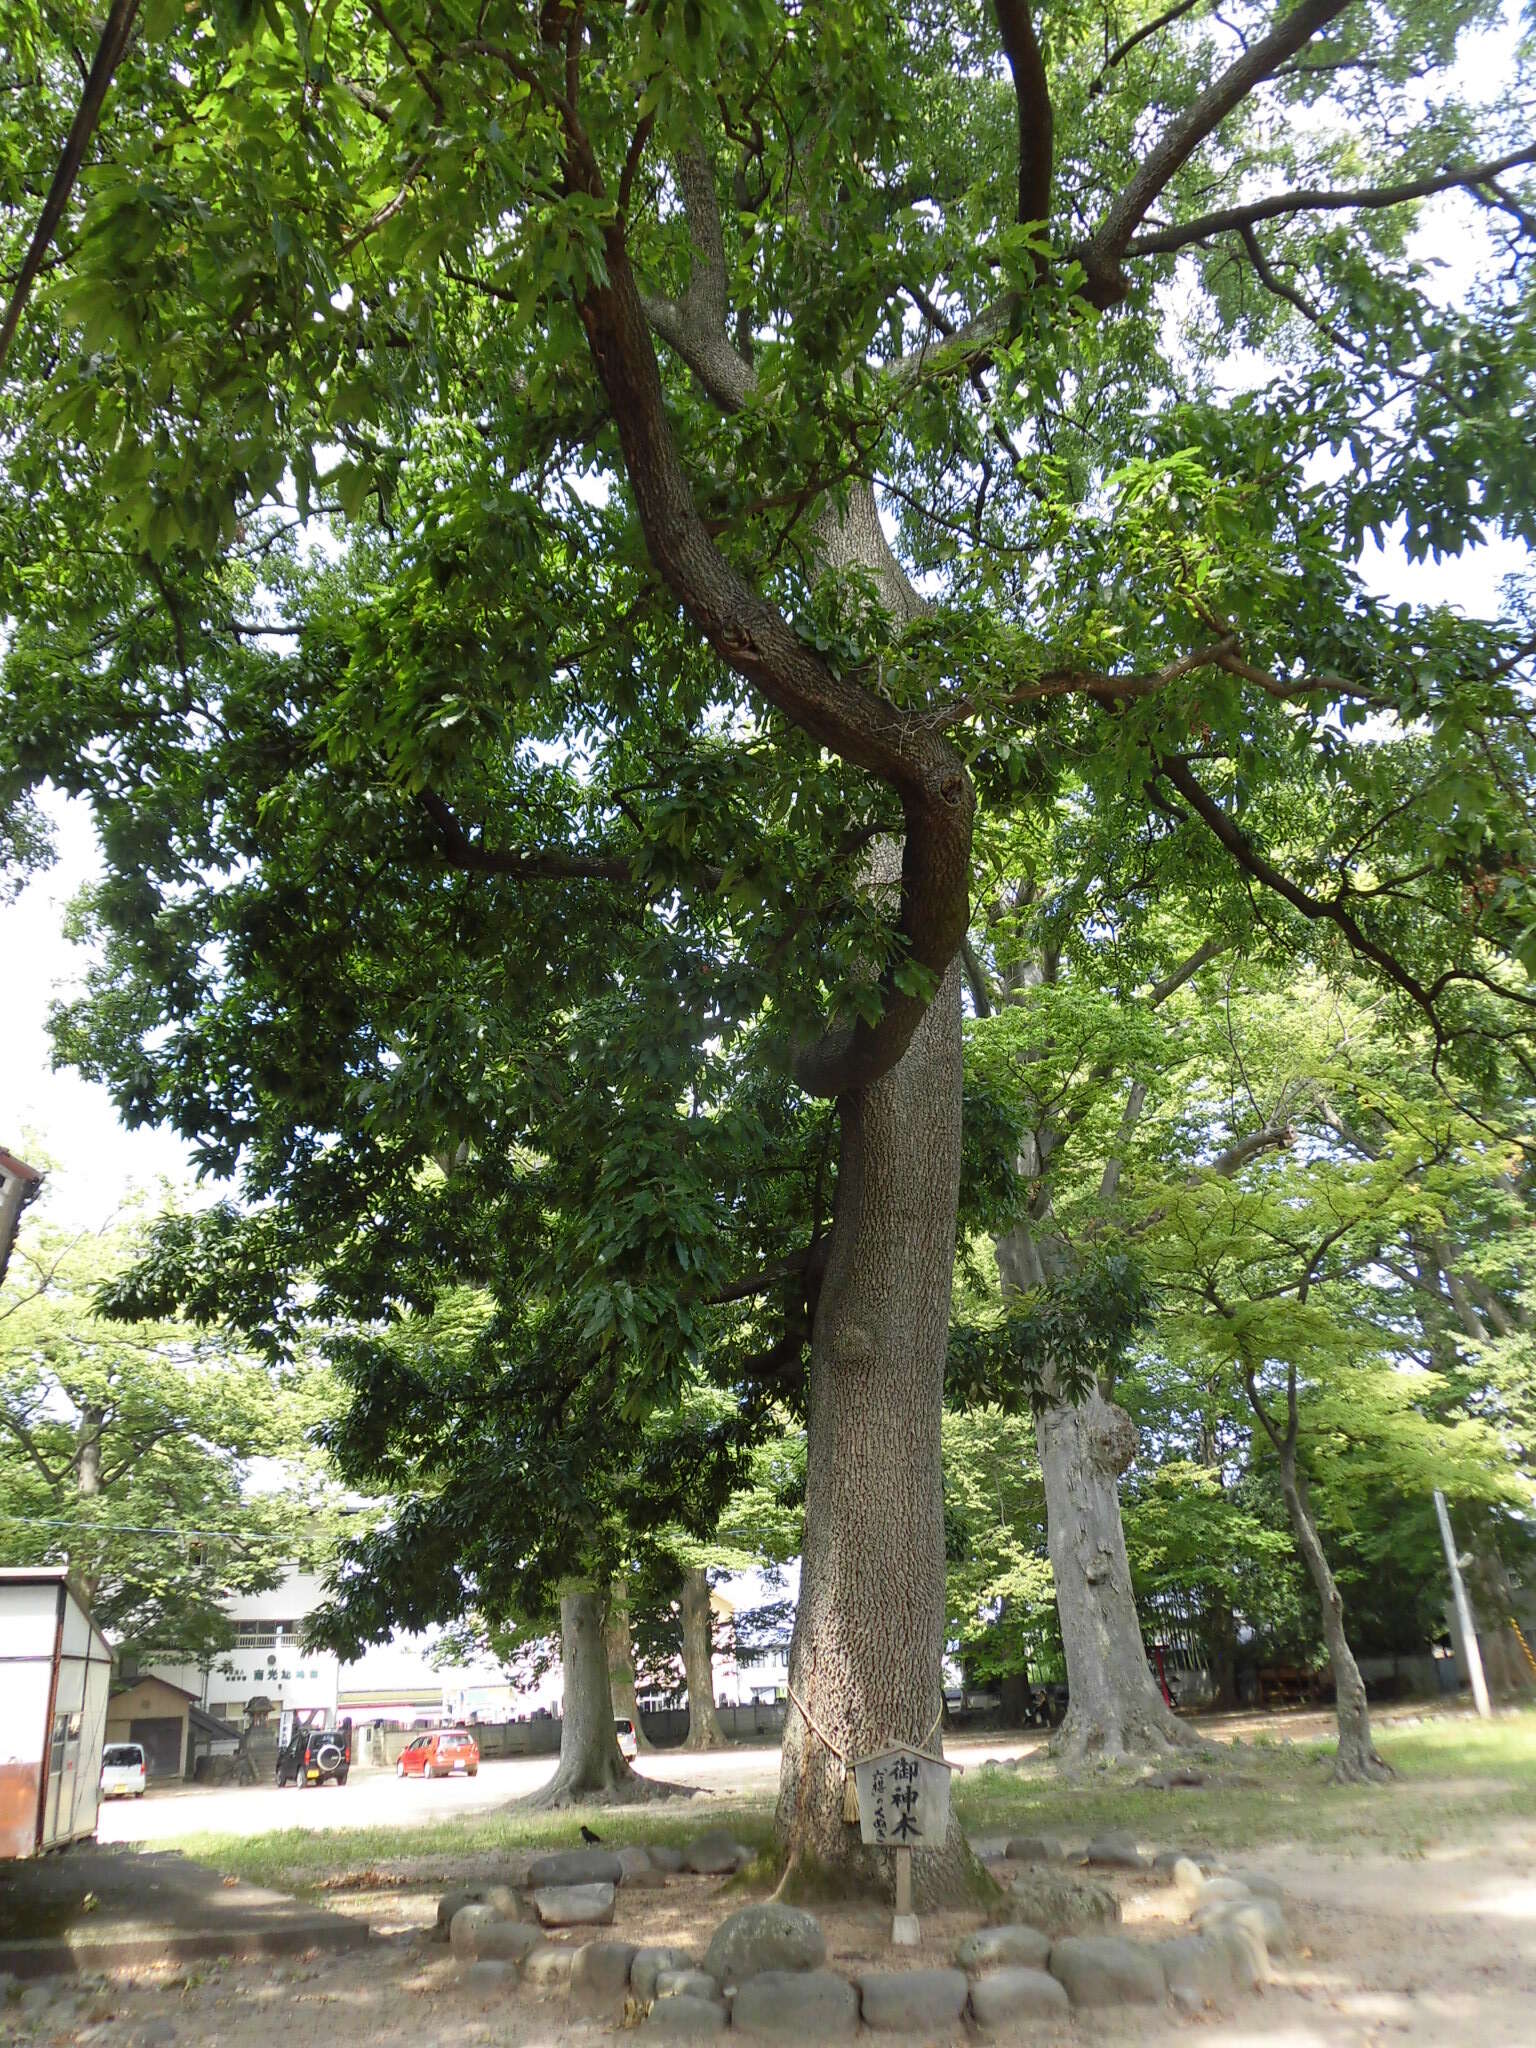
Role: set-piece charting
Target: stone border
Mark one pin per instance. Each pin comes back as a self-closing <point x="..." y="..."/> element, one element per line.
<point x="764" y="1973"/>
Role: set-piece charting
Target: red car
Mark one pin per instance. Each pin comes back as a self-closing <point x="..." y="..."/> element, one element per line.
<point x="445" y="1753"/>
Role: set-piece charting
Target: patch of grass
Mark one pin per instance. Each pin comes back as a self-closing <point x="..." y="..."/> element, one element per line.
<point x="301" y="1859"/>
<point x="1457" y="1779"/>
<point x="1280" y="1791"/>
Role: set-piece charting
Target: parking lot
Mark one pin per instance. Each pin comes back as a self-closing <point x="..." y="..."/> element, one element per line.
<point x="380" y="1799"/>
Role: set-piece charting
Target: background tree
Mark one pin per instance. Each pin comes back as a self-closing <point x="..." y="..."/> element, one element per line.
<point x="1274" y="1269"/>
<point x="165" y="1464"/>
<point x="511" y="1503"/>
<point x="752" y="272"/>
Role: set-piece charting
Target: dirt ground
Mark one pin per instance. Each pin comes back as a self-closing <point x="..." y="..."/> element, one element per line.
<point x="1439" y="1949"/>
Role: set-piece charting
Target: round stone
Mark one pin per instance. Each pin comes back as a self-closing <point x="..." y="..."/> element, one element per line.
<point x="1003" y="1996"/>
<point x="794" y="2005"/>
<point x="998" y="1948"/>
<point x="912" y="2001"/>
<point x="687" y="2019"/>
<point x="761" y="1938"/>
<point x="688" y="1983"/>
<point x="576" y="1866"/>
<point x="1059" y="1902"/>
<point x="712" y="1854"/>
<point x="648" y="1965"/>
<point x="575" y="1905"/>
<point x="1106" y="1969"/>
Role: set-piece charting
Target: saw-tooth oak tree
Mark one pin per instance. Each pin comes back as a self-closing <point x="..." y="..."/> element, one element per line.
<point x="609" y="341"/>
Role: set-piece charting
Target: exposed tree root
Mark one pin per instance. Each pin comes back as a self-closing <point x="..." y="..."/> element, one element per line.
<point x="1357" y="1769"/>
<point x="631" y="1790"/>
<point x="1134" y="1738"/>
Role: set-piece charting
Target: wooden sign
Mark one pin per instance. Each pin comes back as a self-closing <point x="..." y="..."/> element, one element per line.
<point x="903" y="1799"/>
<point x="903" y="1805"/>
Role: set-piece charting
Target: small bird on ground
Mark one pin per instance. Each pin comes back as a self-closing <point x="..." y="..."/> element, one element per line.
<point x="588" y="1836"/>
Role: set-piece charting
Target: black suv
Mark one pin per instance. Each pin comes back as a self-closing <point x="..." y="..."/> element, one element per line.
<point x="311" y="1755"/>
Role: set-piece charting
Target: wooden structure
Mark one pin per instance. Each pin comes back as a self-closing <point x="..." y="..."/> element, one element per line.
<point x="55" y="1671"/>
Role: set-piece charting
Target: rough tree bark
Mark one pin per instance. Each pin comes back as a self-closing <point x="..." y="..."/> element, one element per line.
<point x="1114" y="1705"/>
<point x="591" y="1770"/>
<point x="865" y="1660"/>
<point x="704" y="1730"/>
<point x="1357" y="1761"/>
<point x="621" y="1664"/>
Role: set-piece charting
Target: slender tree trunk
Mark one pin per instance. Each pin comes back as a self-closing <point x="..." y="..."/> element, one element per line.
<point x="865" y="1663"/>
<point x="88" y="1451"/>
<point x="704" y="1730"/>
<point x="1114" y="1705"/>
<point x="591" y="1768"/>
<point x="621" y="1663"/>
<point x="1357" y="1761"/>
<point x="88" y="1485"/>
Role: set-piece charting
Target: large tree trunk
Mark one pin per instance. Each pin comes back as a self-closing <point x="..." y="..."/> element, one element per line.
<point x="1114" y="1705"/>
<point x="621" y="1663"/>
<point x="1357" y="1761"/>
<point x="1505" y="1664"/>
<point x="591" y="1768"/>
<point x="704" y="1730"/>
<point x="865" y="1664"/>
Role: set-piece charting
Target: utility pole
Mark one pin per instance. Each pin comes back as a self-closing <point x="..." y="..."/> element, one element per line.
<point x="1463" y="1611"/>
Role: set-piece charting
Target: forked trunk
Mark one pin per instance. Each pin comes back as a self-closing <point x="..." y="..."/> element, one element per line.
<point x="621" y="1663"/>
<point x="591" y="1768"/>
<point x="1114" y="1705"/>
<point x="704" y="1730"/>
<point x="865" y="1661"/>
<point x="1357" y="1761"/>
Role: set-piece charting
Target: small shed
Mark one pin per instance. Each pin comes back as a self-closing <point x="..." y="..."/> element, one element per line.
<point x="155" y="1714"/>
<point x="55" y="1669"/>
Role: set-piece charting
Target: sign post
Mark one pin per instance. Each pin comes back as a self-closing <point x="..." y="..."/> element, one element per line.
<point x="903" y="1805"/>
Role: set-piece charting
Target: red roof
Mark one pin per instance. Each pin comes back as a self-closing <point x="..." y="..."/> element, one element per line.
<point x="17" y="1169"/>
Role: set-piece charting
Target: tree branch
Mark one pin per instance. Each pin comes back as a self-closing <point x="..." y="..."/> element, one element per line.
<point x="976" y="977"/>
<point x="753" y="637"/>
<point x="551" y="866"/>
<point x="1160" y="991"/>
<point x="1101" y="255"/>
<point x="1162" y="241"/>
<point x="115" y="33"/>
<point x="1274" y="1137"/>
<point x="1032" y="92"/>
<point x="1176" y="771"/>
<point x="694" y="326"/>
<point x="753" y="1284"/>
<point x="1123" y="50"/>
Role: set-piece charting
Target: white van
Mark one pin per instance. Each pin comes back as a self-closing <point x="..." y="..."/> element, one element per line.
<point x="122" y="1771"/>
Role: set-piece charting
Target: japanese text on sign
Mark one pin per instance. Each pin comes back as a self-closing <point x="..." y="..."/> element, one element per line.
<point x="903" y="1800"/>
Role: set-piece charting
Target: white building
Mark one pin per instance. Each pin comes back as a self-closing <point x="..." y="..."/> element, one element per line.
<point x="398" y="1682"/>
<point x="395" y="1682"/>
